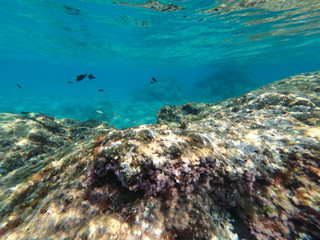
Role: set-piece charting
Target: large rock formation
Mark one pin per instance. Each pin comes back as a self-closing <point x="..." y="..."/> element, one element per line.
<point x="246" y="167"/>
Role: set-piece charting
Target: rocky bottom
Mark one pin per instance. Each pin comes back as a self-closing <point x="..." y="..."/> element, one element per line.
<point x="244" y="168"/>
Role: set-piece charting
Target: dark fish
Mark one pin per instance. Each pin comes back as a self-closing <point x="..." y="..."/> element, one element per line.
<point x="91" y="76"/>
<point x="153" y="79"/>
<point x="69" y="82"/>
<point x="72" y="11"/>
<point x="18" y="85"/>
<point x="100" y="90"/>
<point x="81" y="77"/>
<point x="152" y="82"/>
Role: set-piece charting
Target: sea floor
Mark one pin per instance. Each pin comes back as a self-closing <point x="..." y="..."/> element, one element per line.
<point x="246" y="167"/>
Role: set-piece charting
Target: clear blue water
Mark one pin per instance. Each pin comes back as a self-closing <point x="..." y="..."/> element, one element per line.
<point x="194" y="55"/>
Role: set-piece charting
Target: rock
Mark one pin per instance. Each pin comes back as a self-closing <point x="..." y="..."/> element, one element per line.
<point x="245" y="167"/>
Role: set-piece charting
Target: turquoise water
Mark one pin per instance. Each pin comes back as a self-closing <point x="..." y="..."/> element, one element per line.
<point x="195" y="54"/>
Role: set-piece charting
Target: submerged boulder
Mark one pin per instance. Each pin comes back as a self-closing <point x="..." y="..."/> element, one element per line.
<point x="245" y="167"/>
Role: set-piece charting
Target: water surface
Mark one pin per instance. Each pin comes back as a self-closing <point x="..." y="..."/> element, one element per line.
<point x="206" y="52"/>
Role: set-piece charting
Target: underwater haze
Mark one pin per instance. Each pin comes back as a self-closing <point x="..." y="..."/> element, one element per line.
<point x="147" y="54"/>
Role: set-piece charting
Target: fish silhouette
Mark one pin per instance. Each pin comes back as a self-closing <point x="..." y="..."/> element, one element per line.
<point x="90" y="76"/>
<point x="100" y="90"/>
<point x="71" y="10"/>
<point x="153" y="79"/>
<point x="81" y="77"/>
<point x="18" y="85"/>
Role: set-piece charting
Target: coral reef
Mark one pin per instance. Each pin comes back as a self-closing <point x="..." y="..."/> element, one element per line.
<point x="245" y="167"/>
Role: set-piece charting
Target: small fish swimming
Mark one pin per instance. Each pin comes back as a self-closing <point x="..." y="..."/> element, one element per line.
<point x="18" y="85"/>
<point x="99" y="113"/>
<point x="153" y="79"/>
<point x="69" y="82"/>
<point x="32" y="114"/>
<point x="90" y="76"/>
<point x="72" y="11"/>
<point x="152" y="82"/>
<point x="100" y="90"/>
<point x="81" y="77"/>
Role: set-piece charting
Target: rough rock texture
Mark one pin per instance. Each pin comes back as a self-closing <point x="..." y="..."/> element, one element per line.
<point x="246" y="167"/>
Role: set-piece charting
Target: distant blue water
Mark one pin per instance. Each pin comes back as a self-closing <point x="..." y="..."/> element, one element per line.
<point x="195" y="56"/>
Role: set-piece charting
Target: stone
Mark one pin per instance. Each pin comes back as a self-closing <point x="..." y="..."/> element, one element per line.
<point x="246" y="167"/>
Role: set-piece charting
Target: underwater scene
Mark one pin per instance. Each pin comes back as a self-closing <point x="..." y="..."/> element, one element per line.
<point x="178" y="119"/>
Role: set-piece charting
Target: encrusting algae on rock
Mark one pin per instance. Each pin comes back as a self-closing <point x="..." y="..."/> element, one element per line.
<point x="246" y="167"/>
